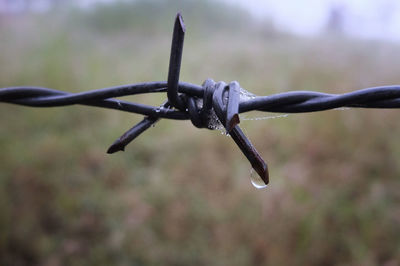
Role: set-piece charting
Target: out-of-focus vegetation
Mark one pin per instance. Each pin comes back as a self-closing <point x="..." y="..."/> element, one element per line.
<point x="179" y="195"/>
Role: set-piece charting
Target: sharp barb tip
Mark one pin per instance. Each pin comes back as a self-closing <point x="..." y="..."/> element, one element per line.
<point x="262" y="170"/>
<point x="181" y="22"/>
<point x="115" y="147"/>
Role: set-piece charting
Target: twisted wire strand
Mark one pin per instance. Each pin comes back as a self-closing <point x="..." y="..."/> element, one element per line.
<point x="287" y="102"/>
<point x="45" y="97"/>
<point x="309" y="101"/>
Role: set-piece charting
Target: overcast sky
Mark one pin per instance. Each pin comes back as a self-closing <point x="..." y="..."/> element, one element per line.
<point x="373" y="19"/>
<point x="379" y="19"/>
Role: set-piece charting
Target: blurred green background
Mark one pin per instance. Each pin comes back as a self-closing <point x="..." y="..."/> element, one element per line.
<point x="179" y="195"/>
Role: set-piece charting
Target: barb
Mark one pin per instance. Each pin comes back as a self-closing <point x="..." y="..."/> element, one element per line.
<point x="204" y="105"/>
<point x="178" y="37"/>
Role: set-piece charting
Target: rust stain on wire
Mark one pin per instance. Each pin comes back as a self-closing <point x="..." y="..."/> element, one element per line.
<point x="203" y="105"/>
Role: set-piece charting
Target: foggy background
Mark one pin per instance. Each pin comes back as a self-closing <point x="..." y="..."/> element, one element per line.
<point x="370" y="19"/>
<point x="179" y="195"/>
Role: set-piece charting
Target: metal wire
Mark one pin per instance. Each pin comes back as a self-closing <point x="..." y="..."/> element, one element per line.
<point x="203" y="105"/>
<point x="287" y="102"/>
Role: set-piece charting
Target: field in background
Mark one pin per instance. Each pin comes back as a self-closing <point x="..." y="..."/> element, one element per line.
<point x="179" y="195"/>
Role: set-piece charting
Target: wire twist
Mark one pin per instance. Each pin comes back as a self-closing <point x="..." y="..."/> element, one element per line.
<point x="206" y="105"/>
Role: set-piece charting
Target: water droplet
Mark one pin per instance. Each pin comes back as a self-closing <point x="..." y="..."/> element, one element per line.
<point x="256" y="180"/>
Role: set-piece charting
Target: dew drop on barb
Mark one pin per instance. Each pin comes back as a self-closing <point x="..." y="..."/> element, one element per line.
<point x="256" y="180"/>
<point x="245" y="95"/>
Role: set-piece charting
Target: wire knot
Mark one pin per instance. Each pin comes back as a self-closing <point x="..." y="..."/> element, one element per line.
<point x="200" y="110"/>
<point x="218" y="108"/>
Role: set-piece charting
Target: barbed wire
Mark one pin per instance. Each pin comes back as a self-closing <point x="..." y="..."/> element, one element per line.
<point x="212" y="105"/>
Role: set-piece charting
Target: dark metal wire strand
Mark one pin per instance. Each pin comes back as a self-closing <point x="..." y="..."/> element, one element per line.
<point x="287" y="102"/>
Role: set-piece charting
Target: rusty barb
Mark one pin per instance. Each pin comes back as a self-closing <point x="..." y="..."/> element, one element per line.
<point x="212" y="105"/>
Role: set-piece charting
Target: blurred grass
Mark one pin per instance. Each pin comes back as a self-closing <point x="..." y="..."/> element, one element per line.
<point x="180" y="195"/>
